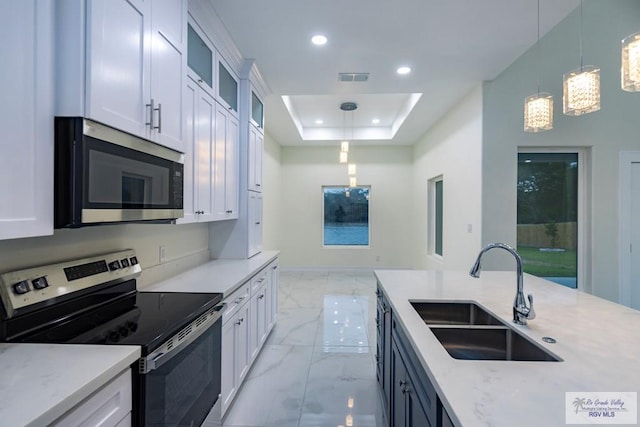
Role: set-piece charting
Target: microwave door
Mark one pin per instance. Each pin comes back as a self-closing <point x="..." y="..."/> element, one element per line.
<point x="104" y="175"/>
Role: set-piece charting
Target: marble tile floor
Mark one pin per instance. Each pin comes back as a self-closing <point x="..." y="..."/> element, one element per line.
<point x="317" y="368"/>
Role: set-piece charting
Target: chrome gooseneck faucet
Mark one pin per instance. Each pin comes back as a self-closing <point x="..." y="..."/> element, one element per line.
<point x="520" y="310"/>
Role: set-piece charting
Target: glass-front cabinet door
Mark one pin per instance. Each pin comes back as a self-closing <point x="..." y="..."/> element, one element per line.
<point x="227" y="87"/>
<point x="200" y="58"/>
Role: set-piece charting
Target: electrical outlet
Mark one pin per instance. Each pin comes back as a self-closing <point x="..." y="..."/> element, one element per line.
<point x="162" y="255"/>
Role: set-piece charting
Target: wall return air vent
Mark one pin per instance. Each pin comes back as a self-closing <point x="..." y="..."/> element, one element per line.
<point x="353" y="77"/>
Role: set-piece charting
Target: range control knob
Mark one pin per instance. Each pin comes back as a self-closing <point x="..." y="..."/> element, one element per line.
<point x="40" y="283"/>
<point x="133" y="326"/>
<point x="114" y="336"/>
<point x="114" y="265"/>
<point x="21" y="287"/>
<point x="133" y="260"/>
<point x="124" y="262"/>
<point x="124" y="331"/>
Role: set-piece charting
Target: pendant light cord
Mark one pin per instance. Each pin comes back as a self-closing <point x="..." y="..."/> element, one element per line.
<point x="538" y="46"/>
<point x="581" y="32"/>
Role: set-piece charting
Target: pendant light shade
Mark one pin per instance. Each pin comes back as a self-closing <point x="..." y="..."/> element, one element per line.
<point x="581" y="87"/>
<point x="344" y="146"/>
<point x="630" y="70"/>
<point x="344" y="157"/>
<point x="351" y="169"/>
<point x="581" y="91"/>
<point x="352" y="181"/>
<point x="538" y="108"/>
<point x="538" y="112"/>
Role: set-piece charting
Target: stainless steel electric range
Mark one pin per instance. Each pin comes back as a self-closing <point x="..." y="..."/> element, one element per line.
<point x="95" y="301"/>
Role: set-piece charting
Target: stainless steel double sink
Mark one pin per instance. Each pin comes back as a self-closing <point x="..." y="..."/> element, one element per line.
<point x="470" y="332"/>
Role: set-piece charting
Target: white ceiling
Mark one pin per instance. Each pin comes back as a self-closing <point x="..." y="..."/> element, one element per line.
<point x="451" y="46"/>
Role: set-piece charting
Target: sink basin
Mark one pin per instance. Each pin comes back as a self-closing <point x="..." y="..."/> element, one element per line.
<point x="454" y="313"/>
<point x="490" y="343"/>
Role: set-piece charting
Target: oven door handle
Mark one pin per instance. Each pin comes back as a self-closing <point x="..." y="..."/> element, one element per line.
<point x="161" y="356"/>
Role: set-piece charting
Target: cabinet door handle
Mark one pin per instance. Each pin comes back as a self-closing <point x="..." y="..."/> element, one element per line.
<point x="275" y="267"/>
<point x="261" y="296"/>
<point x="258" y="185"/>
<point x="257" y="222"/>
<point x="159" y="110"/>
<point x="151" y="110"/>
<point x="238" y="322"/>
<point x="229" y="212"/>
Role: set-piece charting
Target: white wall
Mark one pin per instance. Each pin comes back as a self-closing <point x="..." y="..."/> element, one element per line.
<point x="272" y="194"/>
<point x="186" y="246"/>
<point x="614" y="128"/>
<point x="452" y="148"/>
<point x="304" y="170"/>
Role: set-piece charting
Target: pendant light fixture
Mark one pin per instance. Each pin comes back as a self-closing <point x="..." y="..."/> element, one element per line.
<point x="581" y="87"/>
<point x="630" y="70"/>
<point x="351" y="169"/>
<point x="344" y="145"/>
<point x="538" y="108"/>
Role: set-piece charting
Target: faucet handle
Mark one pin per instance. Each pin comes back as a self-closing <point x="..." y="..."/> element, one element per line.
<point x="532" y="313"/>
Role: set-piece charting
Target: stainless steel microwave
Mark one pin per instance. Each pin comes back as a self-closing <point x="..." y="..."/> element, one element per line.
<point x="103" y="175"/>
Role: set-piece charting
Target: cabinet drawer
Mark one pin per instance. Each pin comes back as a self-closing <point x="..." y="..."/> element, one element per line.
<point x="236" y="300"/>
<point x="106" y="407"/>
<point x="258" y="280"/>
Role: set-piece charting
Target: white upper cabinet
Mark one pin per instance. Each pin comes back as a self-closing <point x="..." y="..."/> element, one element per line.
<point x="255" y="158"/>
<point x="227" y="93"/>
<point x="200" y="58"/>
<point x="211" y="158"/>
<point x="117" y="90"/>
<point x="135" y="65"/>
<point x="199" y="123"/>
<point x="225" y="190"/>
<point x="26" y="118"/>
<point x="168" y="65"/>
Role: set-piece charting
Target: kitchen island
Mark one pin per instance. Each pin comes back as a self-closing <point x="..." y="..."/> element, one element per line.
<point x="597" y="340"/>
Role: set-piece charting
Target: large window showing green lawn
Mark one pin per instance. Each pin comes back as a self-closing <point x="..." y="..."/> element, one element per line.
<point x="548" y="215"/>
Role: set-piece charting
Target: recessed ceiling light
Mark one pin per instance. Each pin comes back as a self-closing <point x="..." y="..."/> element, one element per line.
<point x="319" y="121"/>
<point x="319" y="40"/>
<point x="403" y="70"/>
<point x="375" y="121"/>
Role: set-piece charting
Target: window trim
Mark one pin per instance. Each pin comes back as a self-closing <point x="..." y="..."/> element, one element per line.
<point x="368" y="245"/>
<point x="584" y="201"/>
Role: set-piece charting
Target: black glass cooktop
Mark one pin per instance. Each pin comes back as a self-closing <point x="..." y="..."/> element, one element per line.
<point x="137" y="318"/>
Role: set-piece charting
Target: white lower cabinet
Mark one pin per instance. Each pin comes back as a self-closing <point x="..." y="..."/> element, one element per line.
<point x="246" y="322"/>
<point x="274" y="283"/>
<point x="110" y="406"/>
<point x="235" y="343"/>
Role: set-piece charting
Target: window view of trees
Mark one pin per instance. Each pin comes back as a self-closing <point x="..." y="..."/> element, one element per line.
<point x="548" y="215"/>
<point x="346" y="216"/>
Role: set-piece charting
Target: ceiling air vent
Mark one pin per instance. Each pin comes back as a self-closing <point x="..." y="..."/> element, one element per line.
<point x="353" y="77"/>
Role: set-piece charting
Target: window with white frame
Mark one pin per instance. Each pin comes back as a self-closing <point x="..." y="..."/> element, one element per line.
<point x="435" y="215"/>
<point x="345" y="219"/>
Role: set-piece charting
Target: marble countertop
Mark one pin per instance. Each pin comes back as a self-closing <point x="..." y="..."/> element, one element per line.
<point x="599" y="342"/>
<point x="40" y="382"/>
<point x="216" y="276"/>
